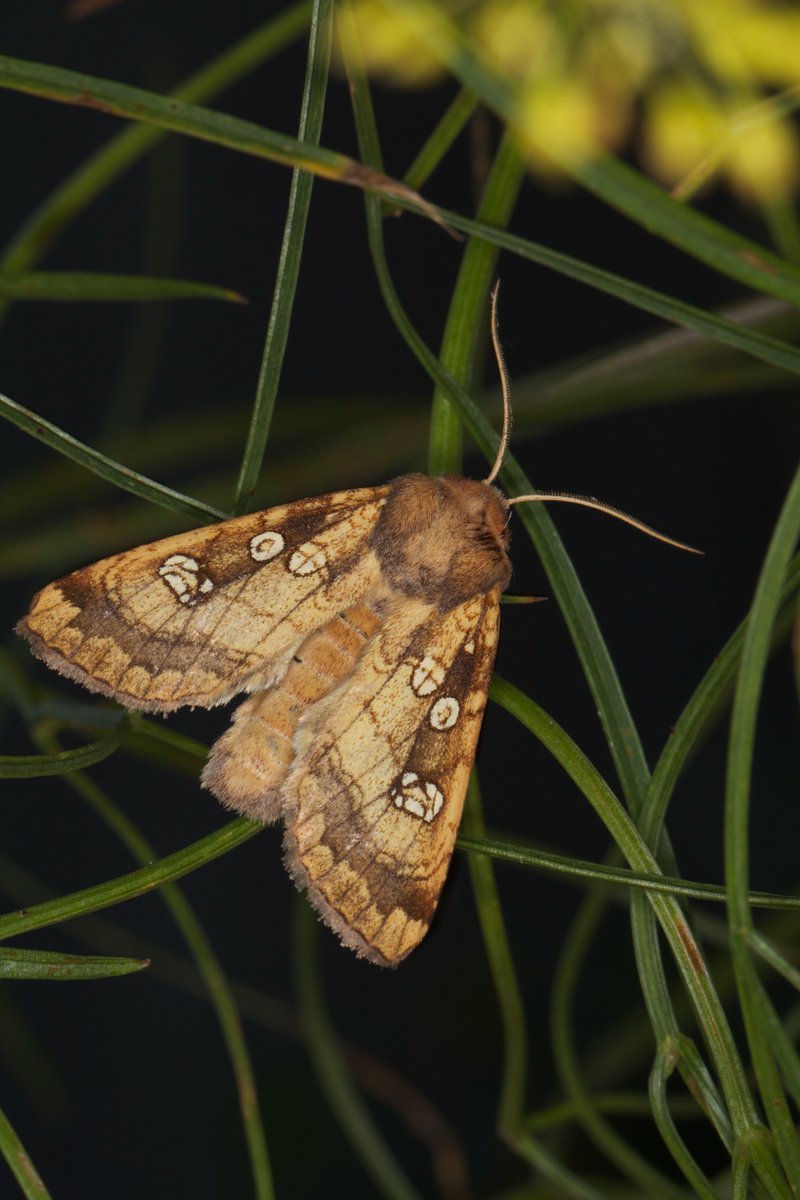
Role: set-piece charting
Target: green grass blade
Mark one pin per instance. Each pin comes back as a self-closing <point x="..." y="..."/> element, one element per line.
<point x="81" y="187"/>
<point x="136" y="883"/>
<point x="672" y="366"/>
<point x="754" y="657"/>
<point x="765" y="950"/>
<point x="726" y="251"/>
<point x="210" y="969"/>
<point x="512" y="1122"/>
<point x="71" y="87"/>
<point x="501" y="961"/>
<point x="310" y="128"/>
<point x="36" y="766"/>
<point x="698" y="716"/>
<point x="664" y="1065"/>
<point x="635" y="1166"/>
<point x="91" y="286"/>
<point x="345" y="1101"/>
<point x="30" y="1181"/>
<point x="441" y="139"/>
<point x="644" y="881"/>
<point x="784" y="1050"/>
<point x="659" y="304"/>
<point x="676" y="929"/>
<point x="467" y="324"/>
<point x="102" y="465"/>
<point x="45" y="964"/>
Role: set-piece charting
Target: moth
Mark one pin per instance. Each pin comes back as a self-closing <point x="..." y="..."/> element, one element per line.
<point x="362" y="626"/>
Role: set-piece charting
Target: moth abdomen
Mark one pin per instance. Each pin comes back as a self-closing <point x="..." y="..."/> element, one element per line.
<point x="249" y="763"/>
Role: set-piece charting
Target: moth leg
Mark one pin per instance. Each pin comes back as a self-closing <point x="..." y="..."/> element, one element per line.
<point x="247" y="766"/>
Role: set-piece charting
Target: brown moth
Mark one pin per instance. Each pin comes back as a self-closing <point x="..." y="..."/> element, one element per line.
<point x="364" y="625"/>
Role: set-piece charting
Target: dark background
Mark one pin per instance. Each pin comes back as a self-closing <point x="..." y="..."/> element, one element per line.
<point x="122" y="1087"/>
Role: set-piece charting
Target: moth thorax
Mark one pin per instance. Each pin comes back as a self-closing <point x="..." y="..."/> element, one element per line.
<point x="443" y="540"/>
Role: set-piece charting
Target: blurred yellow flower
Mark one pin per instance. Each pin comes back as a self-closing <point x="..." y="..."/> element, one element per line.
<point x="682" y="126"/>
<point x="517" y="37"/>
<point x="763" y="161"/>
<point x="394" y="50"/>
<point x="558" y="120"/>
<point x="592" y="75"/>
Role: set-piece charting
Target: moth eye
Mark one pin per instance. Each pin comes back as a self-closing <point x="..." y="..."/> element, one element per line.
<point x="267" y="545"/>
<point x="427" y="677"/>
<point x="181" y="574"/>
<point x="445" y="712"/>
<point x="418" y="797"/>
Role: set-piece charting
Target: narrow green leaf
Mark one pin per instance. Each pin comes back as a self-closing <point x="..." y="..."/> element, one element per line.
<point x="102" y="465"/>
<point x="30" y="1181"/>
<point x="755" y="654"/>
<point x="671" y="366"/>
<point x="100" y="169"/>
<point x="345" y="1102"/>
<point x="45" y="964"/>
<point x="89" y="286"/>
<point x="311" y="115"/>
<point x="35" y="766"/>
<point x="665" y="1060"/>
<point x="441" y="139"/>
<point x="759" y="345"/>
<point x="128" y="887"/>
<point x="560" y="864"/>
<point x="209" y="967"/>
<point x="106" y="95"/>
<point x="772" y="955"/>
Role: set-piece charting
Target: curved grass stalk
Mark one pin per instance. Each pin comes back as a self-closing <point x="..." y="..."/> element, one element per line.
<point x="80" y="188"/>
<point x="311" y="114"/>
<point x="344" y="1100"/>
<point x="30" y="1181"/>
<point x="755" y="653"/>
<point x="209" y="967"/>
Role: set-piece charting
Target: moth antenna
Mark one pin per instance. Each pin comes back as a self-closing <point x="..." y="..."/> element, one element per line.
<point x="590" y="502"/>
<point x="506" y="388"/>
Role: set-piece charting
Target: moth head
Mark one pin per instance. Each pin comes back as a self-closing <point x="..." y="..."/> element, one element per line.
<point x="443" y="540"/>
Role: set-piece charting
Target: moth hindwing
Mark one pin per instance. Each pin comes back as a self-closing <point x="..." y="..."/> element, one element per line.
<point x="364" y="624"/>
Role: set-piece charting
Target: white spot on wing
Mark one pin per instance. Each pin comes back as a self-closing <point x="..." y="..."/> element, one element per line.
<point x="266" y="545"/>
<point x="308" y="559"/>
<point x="418" y="797"/>
<point x="181" y="574"/>
<point x="181" y="560"/>
<point x="444" y="713"/>
<point x="427" y="677"/>
<point x="176" y="582"/>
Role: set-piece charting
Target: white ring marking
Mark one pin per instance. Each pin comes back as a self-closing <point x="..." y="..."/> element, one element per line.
<point x="266" y="545"/>
<point x="445" y="713"/>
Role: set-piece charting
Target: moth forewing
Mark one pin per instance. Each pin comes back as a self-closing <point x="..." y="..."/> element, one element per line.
<point x="373" y="802"/>
<point x="365" y="624"/>
<point x="198" y="617"/>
